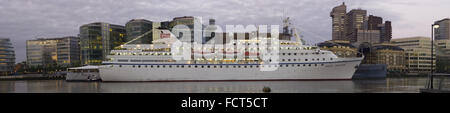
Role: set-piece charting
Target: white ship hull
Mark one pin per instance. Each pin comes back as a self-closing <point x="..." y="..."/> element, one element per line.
<point x="337" y="70"/>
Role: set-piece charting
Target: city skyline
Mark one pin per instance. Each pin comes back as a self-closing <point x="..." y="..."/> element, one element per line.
<point x="27" y="20"/>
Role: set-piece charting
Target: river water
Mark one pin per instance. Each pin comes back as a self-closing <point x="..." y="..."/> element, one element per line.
<point x="388" y="85"/>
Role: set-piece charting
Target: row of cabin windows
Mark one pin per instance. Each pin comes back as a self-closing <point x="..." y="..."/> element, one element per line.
<point x="221" y="66"/>
<point x="155" y="54"/>
<point x="317" y="53"/>
<point x="318" y="59"/>
<point x="121" y="60"/>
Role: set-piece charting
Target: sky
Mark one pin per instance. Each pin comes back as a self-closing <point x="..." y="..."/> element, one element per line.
<point x="22" y="20"/>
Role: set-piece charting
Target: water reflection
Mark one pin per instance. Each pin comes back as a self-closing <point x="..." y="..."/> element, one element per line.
<point x="395" y="85"/>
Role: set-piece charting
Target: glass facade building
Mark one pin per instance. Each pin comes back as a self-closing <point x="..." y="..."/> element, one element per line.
<point x="137" y="27"/>
<point x="98" y="39"/>
<point x="47" y="52"/>
<point x="7" y="56"/>
<point x="41" y="52"/>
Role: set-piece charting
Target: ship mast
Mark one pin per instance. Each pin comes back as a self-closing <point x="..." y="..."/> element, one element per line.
<point x="292" y="32"/>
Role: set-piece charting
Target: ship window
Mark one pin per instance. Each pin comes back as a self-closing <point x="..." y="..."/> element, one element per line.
<point x="318" y="59"/>
<point x="321" y="64"/>
<point x="331" y="58"/>
<point x="304" y="64"/>
<point x="164" y="66"/>
<point x="298" y="65"/>
<point x="283" y="60"/>
<point x="139" y="66"/>
<point x="287" y="65"/>
<point x="195" y="66"/>
<point x="312" y="59"/>
<point x="203" y="66"/>
<point x="189" y="66"/>
<point x="289" y="53"/>
<point x="323" y="59"/>
<point x="281" y="65"/>
<point x="295" y="53"/>
<point x="309" y="65"/>
<point x="284" y="53"/>
<point x="120" y="65"/>
<point x="293" y="65"/>
<point x="245" y="66"/>
<point x="289" y="59"/>
<point x="170" y="66"/>
<point x="151" y="66"/>
<point x="301" y="53"/>
<point x="306" y="59"/>
<point x="178" y="66"/>
<point x="315" y="65"/>
<point x="306" y="53"/>
<point x="157" y="66"/>
<point x="133" y="66"/>
<point x="208" y="66"/>
<point x="146" y="66"/>
<point x="295" y="59"/>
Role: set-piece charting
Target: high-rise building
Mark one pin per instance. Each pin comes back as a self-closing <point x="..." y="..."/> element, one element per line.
<point x="355" y="20"/>
<point x="137" y="27"/>
<point x="369" y="36"/>
<point x="338" y="15"/>
<point x="386" y="32"/>
<point x="443" y="32"/>
<point x="355" y="26"/>
<point x="385" y="29"/>
<point x="98" y="39"/>
<point x="373" y="22"/>
<point x="417" y="53"/>
<point x="48" y="52"/>
<point x="7" y="56"/>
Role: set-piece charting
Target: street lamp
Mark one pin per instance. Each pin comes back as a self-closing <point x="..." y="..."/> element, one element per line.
<point x="433" y="27"/>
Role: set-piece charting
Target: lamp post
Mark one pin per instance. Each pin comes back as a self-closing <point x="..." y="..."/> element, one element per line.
<point x="433" y="27"/>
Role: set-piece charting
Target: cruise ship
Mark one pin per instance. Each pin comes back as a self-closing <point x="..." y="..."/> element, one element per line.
<point x="292" y="60"/>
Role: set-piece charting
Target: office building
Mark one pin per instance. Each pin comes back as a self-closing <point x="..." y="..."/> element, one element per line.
<point x="137" y="27"/>
<point x="443" y="32"/>
<point x="7" y="56"/>
<point x="355" y="20"/>
<point x="443" y="56"/>
<point x="68" y="51"/>
<point x="389" y="54"/>
<point x="338" y="15"/>
<point x="355" y="26"/>
<point x="98" y="39"/>
<point x="48" y="52"/>
<point x="417" y="53"/>
<point x="369" y="36"/>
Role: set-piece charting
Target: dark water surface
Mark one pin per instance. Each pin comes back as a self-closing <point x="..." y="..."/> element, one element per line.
<point x="388" y="85"/>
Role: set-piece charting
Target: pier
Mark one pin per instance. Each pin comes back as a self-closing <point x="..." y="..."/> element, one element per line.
<point x="430" y="85"/>
<point x="33" y="77"/>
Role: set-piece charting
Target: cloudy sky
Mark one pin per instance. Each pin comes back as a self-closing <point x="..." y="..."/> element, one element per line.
<point x="22" y="20"/>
